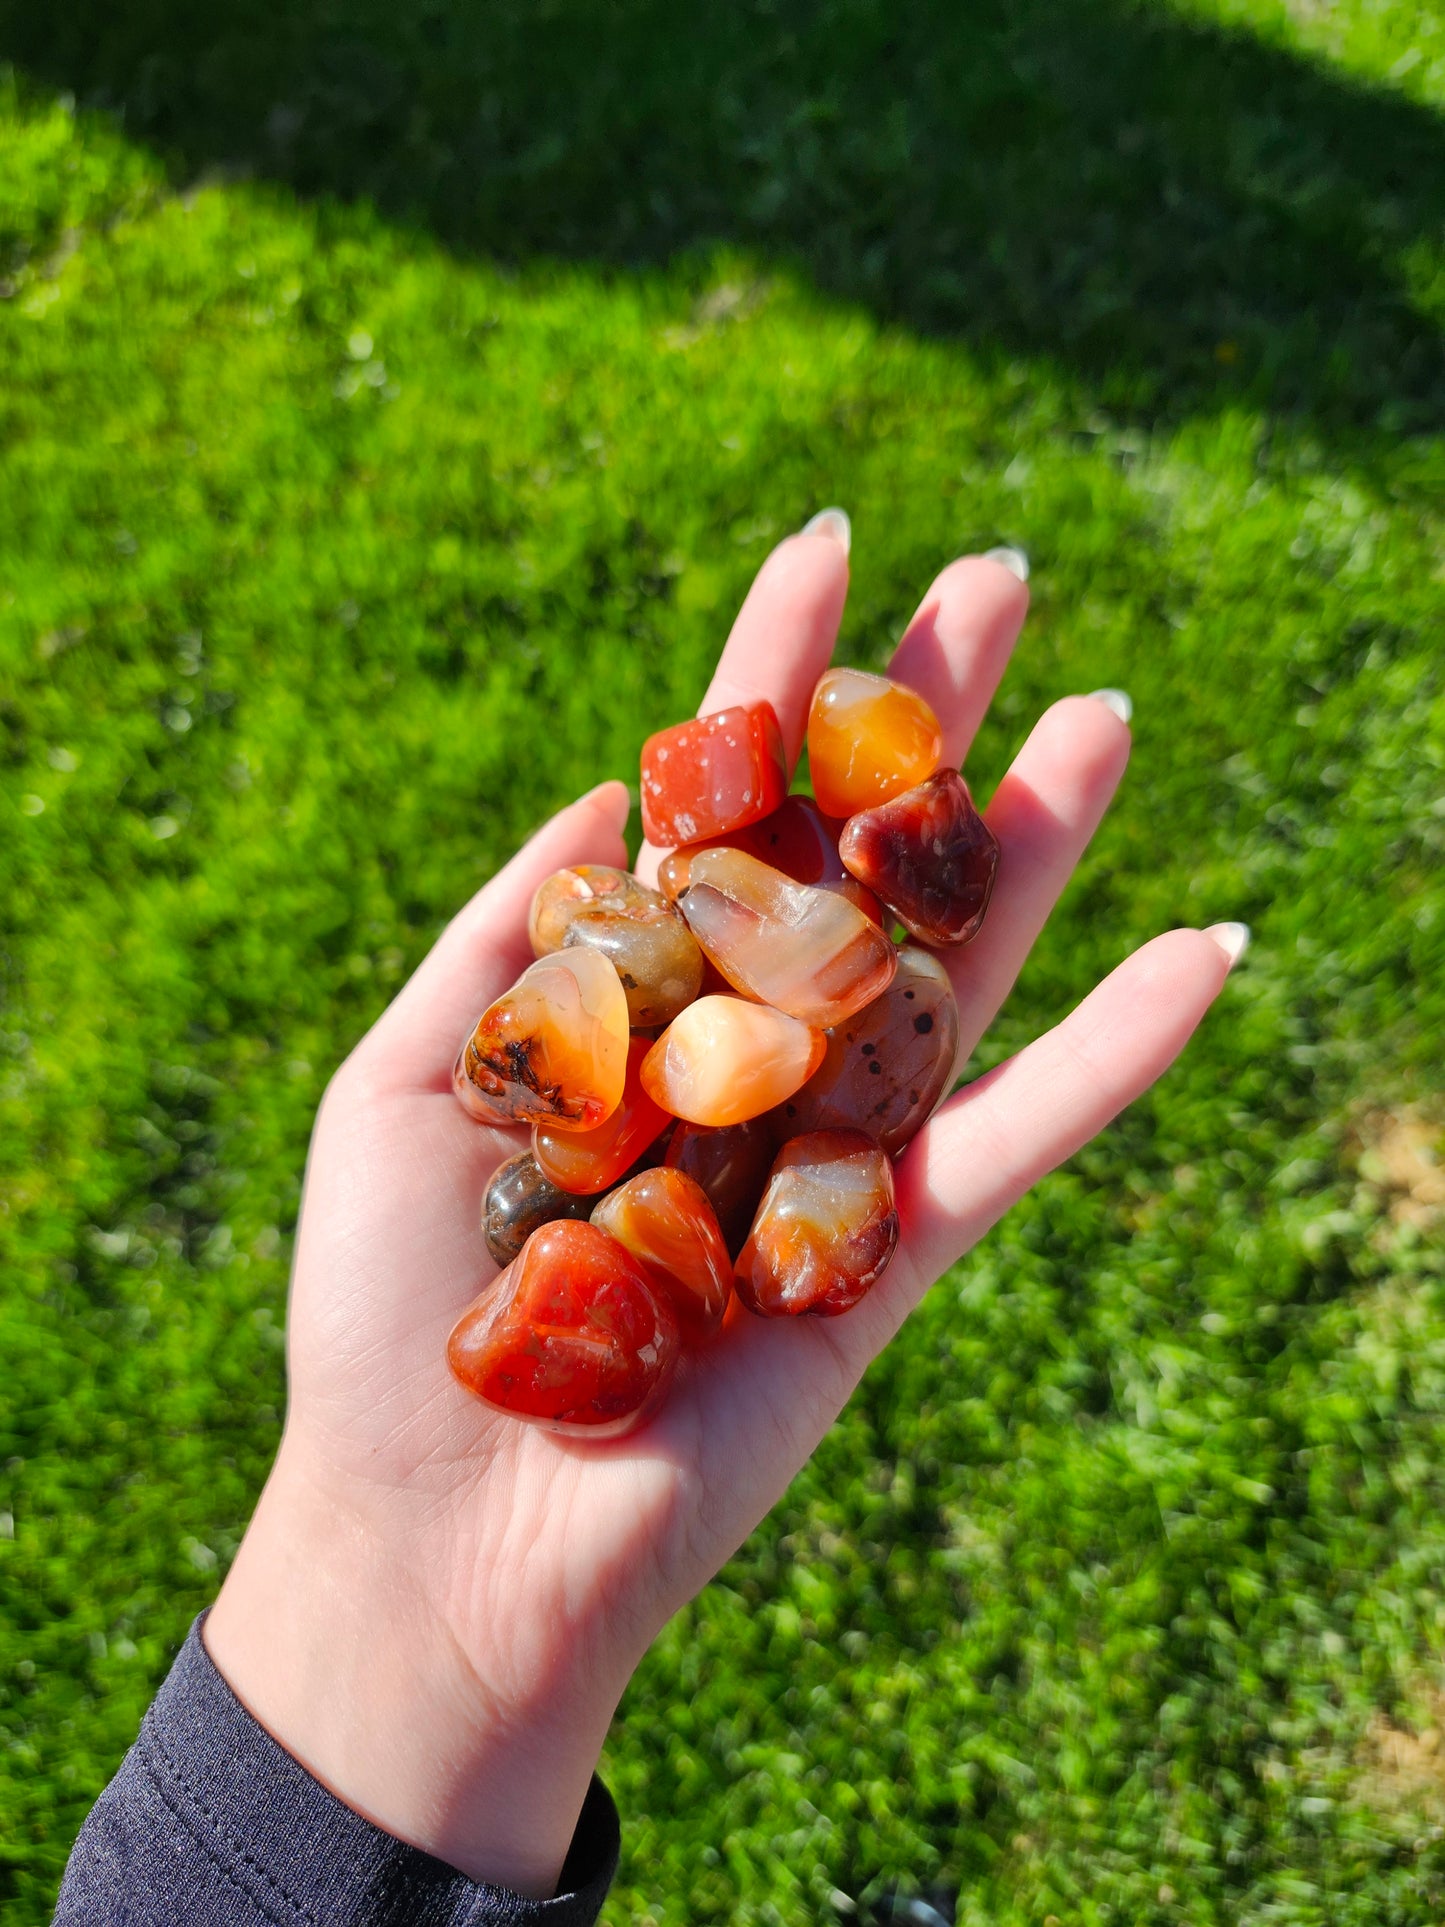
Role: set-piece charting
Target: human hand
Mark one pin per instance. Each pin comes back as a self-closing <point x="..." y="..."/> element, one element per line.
<point x="436" y="1607"/>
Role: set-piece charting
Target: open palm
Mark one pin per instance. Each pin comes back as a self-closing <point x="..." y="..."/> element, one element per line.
<point x="497" y="1585"/>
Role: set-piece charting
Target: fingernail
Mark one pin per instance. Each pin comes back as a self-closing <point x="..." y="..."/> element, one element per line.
<point x="1014" y="560"/>
<point x="612" y="799"/>
<point x="1232" y="938"/>
<point x="1119" y="700"/>
<point x="833" y="523"/>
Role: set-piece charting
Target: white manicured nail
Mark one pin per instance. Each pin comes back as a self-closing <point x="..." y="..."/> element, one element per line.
<point x="1014" y="560"/>
<point x="1119" y="700"/>
<point x="1232" y="938"/>
<point x="833" y="523"/>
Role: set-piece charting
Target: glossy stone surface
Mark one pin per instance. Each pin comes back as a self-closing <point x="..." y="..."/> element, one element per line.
<point x="553" y="1047"/>
<point x="664" y="1219"/>
<point x="723" y="1060"/>
<point x="645" y="939"/>
<point x="798" y="948"/>
<point x="520" y="1199"/>
<point x="796" y="839"/>
<point x="586" y="1162"/>
<point x="715" y="774"/>
<point x="887" y="1067"/>
<point x="573" y="1335"/>
<point x="825" y="1230"/>
<point x="731" y="1164"/>
<point x="929" y="855"/>
<point x="869" y="739"/>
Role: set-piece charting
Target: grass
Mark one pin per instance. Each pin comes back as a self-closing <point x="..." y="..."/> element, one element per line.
<point x="393" y="414"/>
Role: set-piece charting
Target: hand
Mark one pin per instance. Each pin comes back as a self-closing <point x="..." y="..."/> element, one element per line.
<point x="437" y="1608"/>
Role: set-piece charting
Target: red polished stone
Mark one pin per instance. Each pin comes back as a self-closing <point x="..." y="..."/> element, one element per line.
<point x="796" y="839"/>
<point x="586" y="1162"/>
<point x="731" y="1162"/>
<point x="929" y="855"/>
<point x="573" y="1335"/>
<point x="825" y="1230"/>
<point x="704" y="778"/>
<point x="664" y="1219"/>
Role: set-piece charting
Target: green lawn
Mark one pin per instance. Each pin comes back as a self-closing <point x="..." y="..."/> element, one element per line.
<point x="394" y="404"/>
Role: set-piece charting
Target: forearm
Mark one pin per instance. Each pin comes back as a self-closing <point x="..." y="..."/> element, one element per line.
<point x="332" y="1644"/>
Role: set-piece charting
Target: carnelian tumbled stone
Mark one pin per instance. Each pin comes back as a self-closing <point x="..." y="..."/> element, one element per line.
<point x="796" y="839"/>
<point x="586" y="1162"/>
<point x="886" y="1067"/>
<point x="731" y="1163"/>
<point x="520" y="1199"/>
<point x="929" y="855"/>
<point x="868" y="740"/>
<point x="712" y="775"/>
<point x="825" y="1230"/>
<point x="723" y="1060"/>
<point x="573" y="1335"/>
<point x="664" y="1219"/>
<point x="637" y="929"/>
<point x="553" y="1047"/>
<point x="800" y="949"/>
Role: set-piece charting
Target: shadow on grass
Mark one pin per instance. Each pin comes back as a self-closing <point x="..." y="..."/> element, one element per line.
<point x="1174" y="215"/>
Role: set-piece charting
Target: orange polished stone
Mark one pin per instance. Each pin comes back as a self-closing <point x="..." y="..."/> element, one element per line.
<point x="886" y="1067"/>
<point x="731" y="1163"/>
<point x="868" y="740"/>
<point x="704" y="778"/>
<point x="664" y="1219"/>
<point x="825" y="1230"/>
<point x="636" y="929"/>
<point x="929" y="855"/>
<point x="586" y="1162"/>
<point x="572" y="1335"/>
<point x="553" y="1047"/>
<point x="796" y="839"/>
<point x="791" y="945"/>
<point x="723" y="1060"/>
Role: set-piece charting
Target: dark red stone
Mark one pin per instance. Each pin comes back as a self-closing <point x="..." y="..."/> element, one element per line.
<point x="929" y="855"/>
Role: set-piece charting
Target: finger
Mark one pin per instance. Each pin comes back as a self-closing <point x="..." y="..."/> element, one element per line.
<point x="783" y="638"/>
<point x="1043" y="813"/>
<point x="484" y="949"/>
<point x="956" y="648"/>
<point x="993" y="1140"/>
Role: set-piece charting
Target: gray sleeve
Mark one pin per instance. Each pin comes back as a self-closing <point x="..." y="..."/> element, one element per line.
<point x="211" y="1823"/>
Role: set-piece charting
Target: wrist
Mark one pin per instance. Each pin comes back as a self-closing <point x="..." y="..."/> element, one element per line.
<point x="330" y="1640"/>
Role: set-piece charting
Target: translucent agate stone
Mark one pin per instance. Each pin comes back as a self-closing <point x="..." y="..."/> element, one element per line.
<point x="572" y="1335"/>
<point x="519" y="1200"/>
<point x="731" y="1163"/>
<point x="825" y="1230"/>
<point x="586" y="1162"/>
<point x="723" y="1060"/>
<point x="553" y="1047"/>
<point x="885" y="1068"/>
<point x="713" y="775"/>
<point x="868" y="740"/>
<point x="929" y="855"/>
<point x="802" y="950"/>
<point x="636" y="929"/>
<point x="664" y="1219"/>
<point x="796" y="839"/>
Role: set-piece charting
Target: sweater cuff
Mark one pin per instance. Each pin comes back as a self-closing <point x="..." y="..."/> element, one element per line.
<point x="241" y="1804"/>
